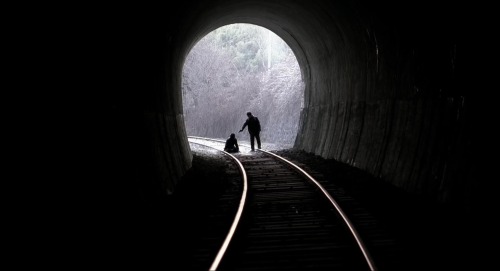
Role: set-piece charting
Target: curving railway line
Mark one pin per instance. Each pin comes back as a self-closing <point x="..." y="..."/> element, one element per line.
<point x="284" y="220"/>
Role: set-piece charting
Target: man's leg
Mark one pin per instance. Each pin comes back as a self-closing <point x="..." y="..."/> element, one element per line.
<point x="257" y="136"/>
<point x="252" y="136"/>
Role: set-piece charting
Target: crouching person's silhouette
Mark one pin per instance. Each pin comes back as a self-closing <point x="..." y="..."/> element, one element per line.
<point x="232" y="144"/>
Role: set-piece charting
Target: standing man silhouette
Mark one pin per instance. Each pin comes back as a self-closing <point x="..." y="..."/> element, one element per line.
<point x="253" y="129"/>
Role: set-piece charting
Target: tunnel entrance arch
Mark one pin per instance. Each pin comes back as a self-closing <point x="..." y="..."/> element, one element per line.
<point x="239" y="68"/>
<point x="374" y="94"/>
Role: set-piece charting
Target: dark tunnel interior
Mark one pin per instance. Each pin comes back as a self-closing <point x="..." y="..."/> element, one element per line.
<point x="393" y="88"/>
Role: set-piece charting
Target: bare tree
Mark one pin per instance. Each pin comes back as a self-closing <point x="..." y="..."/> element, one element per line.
<point x="240" y="68"/>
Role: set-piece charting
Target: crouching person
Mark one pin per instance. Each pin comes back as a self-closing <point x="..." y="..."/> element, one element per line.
<point x="232" y="144"/>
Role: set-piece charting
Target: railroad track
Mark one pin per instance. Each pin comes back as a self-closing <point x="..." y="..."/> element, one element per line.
<point x="285" y="220"/>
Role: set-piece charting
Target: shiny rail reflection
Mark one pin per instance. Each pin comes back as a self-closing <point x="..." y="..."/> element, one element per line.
<point x="368" y="258"/>
<point x="238" y="215"/>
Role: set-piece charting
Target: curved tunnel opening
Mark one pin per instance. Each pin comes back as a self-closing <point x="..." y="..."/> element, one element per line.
<point x="239" y="68"/>
<point x="383" y="91"/>
<point x="376" y="92"/>
<point x="328" y="52"/>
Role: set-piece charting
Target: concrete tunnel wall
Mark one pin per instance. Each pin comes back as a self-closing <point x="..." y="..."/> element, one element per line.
<point x="385" y="88"/>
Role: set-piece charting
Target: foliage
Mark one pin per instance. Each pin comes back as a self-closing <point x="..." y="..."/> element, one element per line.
<point x="239" y="68"/>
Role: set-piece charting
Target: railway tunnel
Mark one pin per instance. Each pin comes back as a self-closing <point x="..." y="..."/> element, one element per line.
<point x="389" y="89"/>
<point x="385" y="89"/>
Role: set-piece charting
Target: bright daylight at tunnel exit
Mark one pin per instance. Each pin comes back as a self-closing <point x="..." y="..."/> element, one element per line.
<point x="242" y="68"/>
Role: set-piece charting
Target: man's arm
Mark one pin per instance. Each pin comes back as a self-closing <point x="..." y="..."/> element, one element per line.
<point x="244" y="125"/>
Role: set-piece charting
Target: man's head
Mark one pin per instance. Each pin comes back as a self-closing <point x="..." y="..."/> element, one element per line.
<point x="249" y="114"/>
<point x="232" y="135"/>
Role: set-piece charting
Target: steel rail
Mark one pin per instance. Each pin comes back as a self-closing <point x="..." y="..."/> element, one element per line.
<point x="237" y="218"/>
<point x="357" y="237"/>
<point x="364" y="250"/>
